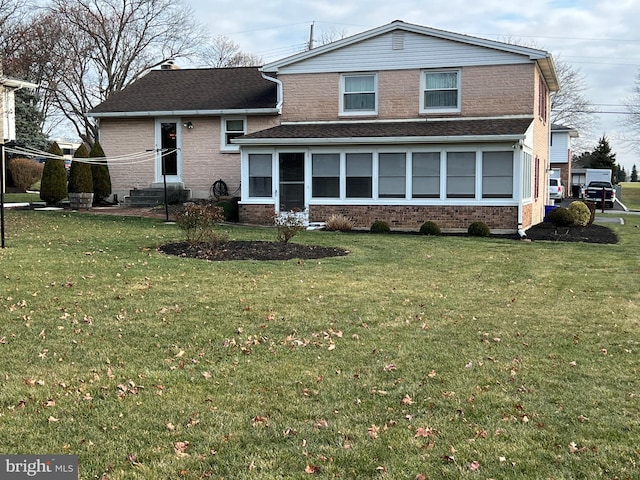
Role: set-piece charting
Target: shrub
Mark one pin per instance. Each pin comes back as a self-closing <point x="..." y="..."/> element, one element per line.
<point x="430" y="228"/>
<point x="198" y="222"/>
<point x="592" y="210"/>
<point x="561" y="217"/>
<point x="99" y="174"/>
<point x="580" y="212"/>
<point x="380" y="226"/>
<point x="230" y="209"/>
<point x="339" y="223"/>
<point x="478" y="229"/>
<point x="53" y="187"/>
<point x="288" y="225"/>
<point x="25" y="172"/>
<point x="80" y="180"/>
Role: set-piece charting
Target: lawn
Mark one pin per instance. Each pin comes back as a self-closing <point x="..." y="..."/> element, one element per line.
<point x="631" y="195"/>
<point x="411" y="357"/>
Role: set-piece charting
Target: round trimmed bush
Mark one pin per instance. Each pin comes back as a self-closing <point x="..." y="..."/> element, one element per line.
<point x="581" y="213"/>
<point x="561" y="217"/>
<point x="380" y="226"/>
<point x="430" y="228"/>
<point x="478" y="229"/>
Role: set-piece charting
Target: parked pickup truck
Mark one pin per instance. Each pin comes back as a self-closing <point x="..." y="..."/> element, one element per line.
<point x="594" y="192"/>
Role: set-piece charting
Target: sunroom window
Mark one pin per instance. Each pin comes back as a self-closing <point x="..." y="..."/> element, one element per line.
<point x="497" y="174"/>
<point x="392" y="169"/>
<point x="260" y="175"/>
<point x="426" y="174"/>
<point x="461" y="174"/>
<point x="325" y="168"/>
<point x="359" y="179"/>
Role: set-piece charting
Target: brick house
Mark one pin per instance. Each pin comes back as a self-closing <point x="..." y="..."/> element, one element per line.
<point x="402" y="123"/>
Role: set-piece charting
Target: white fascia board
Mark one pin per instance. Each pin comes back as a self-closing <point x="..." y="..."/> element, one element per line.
<point x="185" y="113"/>
<point x="12" y="83"/>
<point x="378" y="140"/>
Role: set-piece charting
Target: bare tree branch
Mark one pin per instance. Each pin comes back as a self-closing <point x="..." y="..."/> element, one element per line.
<point x="222" y="52"/>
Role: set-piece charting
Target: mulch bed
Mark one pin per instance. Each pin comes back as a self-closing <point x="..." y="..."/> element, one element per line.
<point x="251" y="250"/>
<point x="588" y="234"/>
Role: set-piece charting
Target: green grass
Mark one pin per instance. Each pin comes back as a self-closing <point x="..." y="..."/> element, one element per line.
<point x="21" y="197"/>
<point x="631" y="195"/>
<point x="411" y="355"/>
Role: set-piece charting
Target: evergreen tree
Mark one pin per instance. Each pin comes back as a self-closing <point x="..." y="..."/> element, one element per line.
<point x="53" y="187"/>
<point x="602" y="157"/>
<point x="622" y="175"/>
<point x="100" y="174"/>
<point x="29" y="120"/>
<point x="634" y="174"/>
<point x="80" y="180"/>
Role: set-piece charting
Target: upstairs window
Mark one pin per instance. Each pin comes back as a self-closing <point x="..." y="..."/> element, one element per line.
<point x="232" y="128"/>
<point x="440" y="91"/>
<point x="359" y="95"/>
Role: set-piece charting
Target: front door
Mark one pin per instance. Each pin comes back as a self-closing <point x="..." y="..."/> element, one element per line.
<point x="168" y="151"/>
<point x="291" y="191"/>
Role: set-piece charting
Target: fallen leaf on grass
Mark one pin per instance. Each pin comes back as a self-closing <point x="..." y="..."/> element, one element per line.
<point x="311" y="469"/>
<point x="180" y="449"/>
<point x="406" y="400"/>
<point x="424" y="432"/>
<point x="474" y="466"/>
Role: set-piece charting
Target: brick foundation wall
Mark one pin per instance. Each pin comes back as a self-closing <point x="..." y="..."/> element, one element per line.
<point x="409" y="217"/>
<point x="256" y="214"/>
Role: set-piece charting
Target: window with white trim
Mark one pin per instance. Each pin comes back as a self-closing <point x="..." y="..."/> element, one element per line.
<point x="392" y="168"/>
<point x="260" y="175"/>
<point x="497" y="174"/>
<point x="359" y="94"/>
<point x="325" y="175"/>
<point x="232" y="128"/>
<point x="461" y="174"/>
<point x="440" y="91"/>
<point x="527" y="177"/>
<point x="359" y="179"/>
<point x="425" y="174"/>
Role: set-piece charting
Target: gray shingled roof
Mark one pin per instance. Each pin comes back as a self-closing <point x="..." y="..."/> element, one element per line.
<point x="209" y="89"/>
<point x="512" y="127"/>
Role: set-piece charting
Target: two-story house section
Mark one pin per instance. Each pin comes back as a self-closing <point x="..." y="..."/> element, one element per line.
<point x="405" y="123"/>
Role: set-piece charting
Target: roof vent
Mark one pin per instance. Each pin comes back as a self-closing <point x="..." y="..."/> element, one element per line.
<point x="397" y="40"/>
<point x="169" y="65"/>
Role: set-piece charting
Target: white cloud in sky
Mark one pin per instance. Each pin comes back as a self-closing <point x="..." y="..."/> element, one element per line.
<point x="598" y="38"/>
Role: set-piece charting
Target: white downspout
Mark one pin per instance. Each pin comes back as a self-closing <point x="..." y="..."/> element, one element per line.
<point x="280" y="91"/>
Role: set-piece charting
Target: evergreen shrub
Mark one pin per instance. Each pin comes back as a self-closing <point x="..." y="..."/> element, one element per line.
<point x="561" y="217"/>
<point x="53" y="187"/>
<point x="80" y="179"/>
<point x="380" y="226"/>
<point x="580" y="212"/>
<point x="100" y="174"/>
<point x="478" y="229"/>
<point x="430" y="228"/>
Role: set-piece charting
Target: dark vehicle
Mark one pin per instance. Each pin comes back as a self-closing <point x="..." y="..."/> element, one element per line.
<point x="600" y="191"/>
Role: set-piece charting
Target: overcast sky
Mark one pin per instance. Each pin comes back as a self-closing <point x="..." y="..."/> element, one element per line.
<point x="598" y="38"/>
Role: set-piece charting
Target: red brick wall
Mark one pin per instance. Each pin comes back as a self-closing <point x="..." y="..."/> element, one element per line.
<point x="408" y="217"/>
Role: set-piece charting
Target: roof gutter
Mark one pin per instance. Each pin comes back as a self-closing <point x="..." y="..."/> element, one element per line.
<point x="378" y="140"/>
<point x="280" y="90"/>
<point x="184" y="113"/>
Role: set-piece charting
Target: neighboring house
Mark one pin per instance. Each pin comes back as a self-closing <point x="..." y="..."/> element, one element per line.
<point x="8" y="86"/>
<point x="560" y="154"/>
<point x="401" y="123"/>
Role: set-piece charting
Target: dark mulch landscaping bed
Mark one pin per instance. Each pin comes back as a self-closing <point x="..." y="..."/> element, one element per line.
<point x="259" y="250"/>
<point x="251" y="250"/>
<point x="588" y="234"/>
